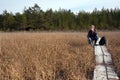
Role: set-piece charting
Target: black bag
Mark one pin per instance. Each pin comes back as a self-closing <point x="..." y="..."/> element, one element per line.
<point x="102" y="41"/>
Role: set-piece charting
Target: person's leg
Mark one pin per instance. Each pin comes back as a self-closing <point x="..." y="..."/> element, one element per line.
<point x="96" y="38"/>
<point x="89" y="40"/>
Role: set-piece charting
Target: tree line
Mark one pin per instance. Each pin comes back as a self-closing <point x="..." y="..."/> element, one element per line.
<point x="35" y="19"/>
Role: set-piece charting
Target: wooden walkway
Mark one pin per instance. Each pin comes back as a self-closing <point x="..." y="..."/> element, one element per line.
<point x="104" y="69"/>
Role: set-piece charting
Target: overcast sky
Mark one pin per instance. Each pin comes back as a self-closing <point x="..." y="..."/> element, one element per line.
<point x="74" y="5"/>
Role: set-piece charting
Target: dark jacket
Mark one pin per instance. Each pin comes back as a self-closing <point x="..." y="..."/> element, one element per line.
<point x="92" y="34"/>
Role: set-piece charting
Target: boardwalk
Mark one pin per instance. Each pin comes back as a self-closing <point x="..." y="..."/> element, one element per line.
<point x="104" y="69"/>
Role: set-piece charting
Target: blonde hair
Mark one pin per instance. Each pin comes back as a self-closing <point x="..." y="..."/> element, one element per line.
<point x="92" y="26"/>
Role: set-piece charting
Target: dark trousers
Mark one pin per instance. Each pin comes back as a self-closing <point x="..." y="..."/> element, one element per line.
<point x="91" y="39"/>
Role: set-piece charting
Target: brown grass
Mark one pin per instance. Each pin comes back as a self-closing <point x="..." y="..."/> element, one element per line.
<point x="51" y="56"/>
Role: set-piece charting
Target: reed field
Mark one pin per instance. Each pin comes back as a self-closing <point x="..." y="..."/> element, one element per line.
<point x="52" y="55"/>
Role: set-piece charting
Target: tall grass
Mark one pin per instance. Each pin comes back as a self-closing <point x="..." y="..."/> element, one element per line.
<point x="50" y="56"/>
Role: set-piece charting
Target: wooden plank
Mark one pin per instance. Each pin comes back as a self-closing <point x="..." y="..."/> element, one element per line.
<point x="104" y="69"/>
<point x="98" y="51"/>
<point x="108" y="60"/>
<point x="105" y="50"/>
<point x="99" y="59"/>
<point x="111" y="74"/>
<point x="100" y="73"/>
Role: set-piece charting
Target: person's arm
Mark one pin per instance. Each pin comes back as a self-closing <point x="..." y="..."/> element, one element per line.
<point x="89" y="33"/>
<point x="95" y="31"/>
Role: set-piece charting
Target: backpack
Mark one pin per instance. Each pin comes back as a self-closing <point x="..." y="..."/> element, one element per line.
<point x="102" y="41"/>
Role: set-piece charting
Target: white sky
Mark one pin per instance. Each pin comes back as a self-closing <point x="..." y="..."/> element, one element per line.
<point x="74" y="5"/>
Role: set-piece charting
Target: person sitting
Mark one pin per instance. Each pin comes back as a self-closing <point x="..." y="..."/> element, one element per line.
<point x="92" y="35"/>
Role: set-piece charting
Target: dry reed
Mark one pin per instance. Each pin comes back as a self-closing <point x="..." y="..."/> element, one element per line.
<point x="51" y="56"/>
